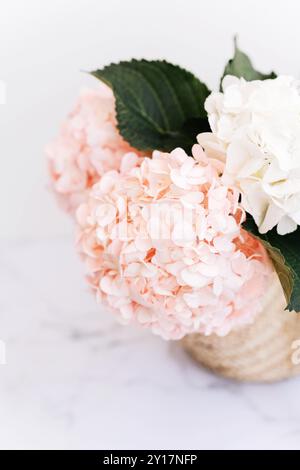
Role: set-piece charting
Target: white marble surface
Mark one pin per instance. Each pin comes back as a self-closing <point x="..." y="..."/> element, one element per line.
<point x="76" y="379"/>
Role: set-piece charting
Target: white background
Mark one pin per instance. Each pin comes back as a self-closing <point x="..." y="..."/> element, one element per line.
<point x="45" y="44"/>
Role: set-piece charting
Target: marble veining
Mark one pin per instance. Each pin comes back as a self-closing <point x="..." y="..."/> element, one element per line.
<point x="75" y="378"/>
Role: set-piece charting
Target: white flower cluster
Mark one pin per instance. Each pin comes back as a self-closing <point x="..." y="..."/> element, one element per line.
<point x="256" y="125"/>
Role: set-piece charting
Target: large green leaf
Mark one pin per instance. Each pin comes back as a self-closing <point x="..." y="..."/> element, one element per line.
<point x="159" y="105"/>
<point x="285" y="255"/>
<point x="241" y="66"/>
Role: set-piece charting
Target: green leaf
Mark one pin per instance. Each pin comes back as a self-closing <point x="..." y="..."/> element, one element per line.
<point x="241" y="66"/>
<point x="285" y="255"/>
<point x="159" y="105"/>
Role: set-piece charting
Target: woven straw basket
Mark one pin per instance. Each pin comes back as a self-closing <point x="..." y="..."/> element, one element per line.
<point x="261" y="352"/>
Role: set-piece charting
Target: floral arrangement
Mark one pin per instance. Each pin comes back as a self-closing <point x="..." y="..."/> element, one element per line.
<point x="186" y="201"/>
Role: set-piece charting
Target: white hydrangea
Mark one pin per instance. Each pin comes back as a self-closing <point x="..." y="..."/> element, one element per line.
<point x="257" y="124"/>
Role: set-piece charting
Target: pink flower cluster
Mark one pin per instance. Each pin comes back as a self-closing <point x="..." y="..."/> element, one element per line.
<point x="164" y="248"/>
<point x="89" y="144"/>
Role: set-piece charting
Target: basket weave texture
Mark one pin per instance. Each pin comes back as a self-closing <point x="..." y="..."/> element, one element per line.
<point x="264" y="351"/>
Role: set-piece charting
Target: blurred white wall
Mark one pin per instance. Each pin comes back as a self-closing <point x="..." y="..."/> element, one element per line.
<point x="45" y="44"/>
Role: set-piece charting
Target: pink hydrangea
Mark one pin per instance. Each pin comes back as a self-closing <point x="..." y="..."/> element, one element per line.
<point x="89" y="144"/>
<point x="164" y="247"/>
